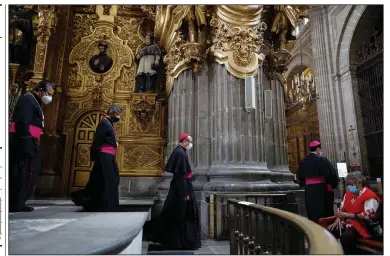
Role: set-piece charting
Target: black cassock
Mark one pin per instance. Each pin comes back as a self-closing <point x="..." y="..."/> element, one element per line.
<point x="24" y="165"/>
<point x="319" y="197"/>
<point x="177" y="227"/>
<point x="101" y="192"/>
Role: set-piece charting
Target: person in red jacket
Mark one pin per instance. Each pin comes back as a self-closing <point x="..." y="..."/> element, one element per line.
<point x="360" y="204"/>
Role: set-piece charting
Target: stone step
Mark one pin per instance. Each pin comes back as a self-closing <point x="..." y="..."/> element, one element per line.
<point x="65" y="230"/>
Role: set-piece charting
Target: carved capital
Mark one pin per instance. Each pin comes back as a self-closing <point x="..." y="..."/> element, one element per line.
<point x="238" y="45"/>
<point x="182" y="56"/>
<point x="275" y="64"/>
<point x="184" y="42"/>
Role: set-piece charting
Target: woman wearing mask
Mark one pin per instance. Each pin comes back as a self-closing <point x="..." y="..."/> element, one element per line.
<point x="101" y="192"/>
<point x="358" y="209"/>
<point x="177" y="227"/>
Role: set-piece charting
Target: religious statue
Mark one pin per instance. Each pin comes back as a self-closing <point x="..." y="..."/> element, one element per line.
<point x="149" y="62"/>
<point x="101" y="62"/>
<point x="20" y="35"/>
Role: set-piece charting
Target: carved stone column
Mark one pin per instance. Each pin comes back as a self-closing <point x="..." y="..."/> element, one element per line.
<point x="274" y="66"/>
<point x="238" y="153"/>
<point x="324" y="82"/>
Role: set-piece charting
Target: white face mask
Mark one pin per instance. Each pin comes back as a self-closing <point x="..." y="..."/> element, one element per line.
<point x="47" y="99"/>
<point x="189" y="146"/>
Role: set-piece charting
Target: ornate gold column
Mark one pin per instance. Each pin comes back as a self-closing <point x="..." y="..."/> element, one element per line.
<point x="47" y="21"/>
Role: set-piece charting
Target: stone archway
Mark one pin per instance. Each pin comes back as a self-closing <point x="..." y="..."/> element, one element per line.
<point x="357" y="28"/>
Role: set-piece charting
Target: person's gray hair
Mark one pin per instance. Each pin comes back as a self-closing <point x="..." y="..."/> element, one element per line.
<point x="114" y="109"/>
<point x="356" y="176"/>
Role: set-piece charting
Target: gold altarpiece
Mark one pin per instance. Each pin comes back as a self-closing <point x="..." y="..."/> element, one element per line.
<point x="85" y="95"/>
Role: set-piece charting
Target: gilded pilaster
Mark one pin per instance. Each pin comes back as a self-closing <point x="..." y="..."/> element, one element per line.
<point x="47" y="22"/>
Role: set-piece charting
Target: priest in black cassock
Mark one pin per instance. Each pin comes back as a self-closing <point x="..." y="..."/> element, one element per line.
<point x="177" y="227"/>
<point x="24" y="134"/>
<point x="319" y="178"/>
<point x="101" y="192"/>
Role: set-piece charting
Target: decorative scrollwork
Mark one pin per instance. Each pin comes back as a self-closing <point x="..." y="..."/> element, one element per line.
<point x="47" y="22"/>
<point x="239" y="48"/>
<point x="144" y="110"/>
<point x="150" y="10"/>
<point x="275" y="63"/>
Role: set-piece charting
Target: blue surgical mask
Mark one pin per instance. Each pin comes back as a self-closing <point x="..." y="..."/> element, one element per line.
<point x="353" y="189"/>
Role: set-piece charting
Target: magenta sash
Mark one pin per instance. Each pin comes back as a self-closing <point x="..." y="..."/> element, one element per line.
<point x="109" y="149"/>
<point x="35" y="131"/>
<point x="318" y="180"/>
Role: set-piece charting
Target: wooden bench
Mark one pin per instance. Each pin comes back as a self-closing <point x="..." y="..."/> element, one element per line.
<point x="367" y="245"/>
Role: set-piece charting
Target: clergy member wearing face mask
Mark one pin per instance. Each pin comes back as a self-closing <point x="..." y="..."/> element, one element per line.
<point x="101" y="192"/>
<point x="319" y="178"/>
<point x="359" y="204"/>
<point x="177" y="227"/>
<point x="25" y="131"/>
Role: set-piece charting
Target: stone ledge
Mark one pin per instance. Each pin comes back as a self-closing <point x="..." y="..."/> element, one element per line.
<point x="83" y="233"/>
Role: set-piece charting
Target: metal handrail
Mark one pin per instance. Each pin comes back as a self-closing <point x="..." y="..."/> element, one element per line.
<point x="218" y="228"/>
<point x="275" y="232"/>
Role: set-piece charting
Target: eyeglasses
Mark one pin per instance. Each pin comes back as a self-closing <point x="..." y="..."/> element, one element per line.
<point x="190" y="141"/>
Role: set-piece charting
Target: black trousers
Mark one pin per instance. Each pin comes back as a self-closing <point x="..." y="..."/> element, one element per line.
<point x="23" y="174"/>
<point x="348" y="240"/>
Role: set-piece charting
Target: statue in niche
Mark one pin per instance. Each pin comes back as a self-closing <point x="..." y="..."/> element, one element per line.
<point x="101" y="62"/>
<point x="149" y="62"/>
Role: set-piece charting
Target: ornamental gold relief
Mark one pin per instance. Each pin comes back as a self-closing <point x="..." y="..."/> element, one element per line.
<point x="239" y="48"/>
<point x="85" y="56"/>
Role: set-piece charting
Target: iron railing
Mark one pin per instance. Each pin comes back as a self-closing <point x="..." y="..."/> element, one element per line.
<point x="257" y="229"/>
<point x="218" y="222"/>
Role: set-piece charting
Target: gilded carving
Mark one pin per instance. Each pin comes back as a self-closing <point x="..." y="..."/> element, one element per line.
<point x="144" y="111"/>
<point x="83" y="155"/>
<point x="141" y="156"/>
<point x="184" y="42"/>
<point x="71" y="109"/>
<point x="117" y="49"/>
<point x="129" y="30"/>
<point x="82" y="26"/>
<point x="106" y="9"/>
<point x="144" y="114"/>
<point x="126" y="81"/>
<point x="150" y="10"/>
<point x="74" y="79"/>
<point x="40" y="57"/>
<point x="47" y="22"/>
<point x="239" y="48"/>
<point x="97" y="95"/>
<point x="275" y="64"/>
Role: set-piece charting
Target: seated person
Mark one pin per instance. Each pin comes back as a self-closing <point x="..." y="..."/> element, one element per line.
<point x="357" y="210"/>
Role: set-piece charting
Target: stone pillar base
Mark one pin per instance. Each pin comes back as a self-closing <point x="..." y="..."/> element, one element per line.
<point x="243" y="179"/>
